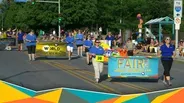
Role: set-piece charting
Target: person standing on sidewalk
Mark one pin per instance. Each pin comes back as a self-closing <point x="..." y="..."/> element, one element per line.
<point x="167" y="52"/>
<point x="70" y="40"/>
<point x="79" y="43"/>
<point x="131" y="47"/>
<point x="20" y="36"/>
<point x="110" y="39"/>
<point x="98" y="66"/>
<point x="31" y="45"/>
<point x="181" y="49"/>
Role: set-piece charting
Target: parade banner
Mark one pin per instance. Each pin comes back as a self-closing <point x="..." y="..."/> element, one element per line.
<point x="104" y="44"/>
<point x="135" y="66"/>
<point x="51" y="49"/>
<point x="8" y="41"/>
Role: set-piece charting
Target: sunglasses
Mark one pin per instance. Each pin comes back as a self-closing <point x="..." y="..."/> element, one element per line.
<point x="168" y="39"/>
<point x="97" y="42"/>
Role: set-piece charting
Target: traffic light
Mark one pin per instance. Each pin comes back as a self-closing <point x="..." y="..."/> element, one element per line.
<point x="60" y="18"/>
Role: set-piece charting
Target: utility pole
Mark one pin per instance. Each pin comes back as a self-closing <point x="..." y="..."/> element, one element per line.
<point x="178" y="10"/>
<point x="2" y="22"/>
<point x="59" y="26"/>
<point x="120" y="20"/>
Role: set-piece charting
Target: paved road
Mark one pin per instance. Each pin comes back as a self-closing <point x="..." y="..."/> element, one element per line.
<point x="53" y="73"/>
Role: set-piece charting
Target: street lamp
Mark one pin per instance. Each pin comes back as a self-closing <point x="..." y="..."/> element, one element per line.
<point x="59" y="12"/>
<point x="1" y="11"/>
<point x="120" y="21"/>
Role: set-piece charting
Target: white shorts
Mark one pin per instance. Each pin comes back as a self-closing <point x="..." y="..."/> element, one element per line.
<point x="69" y="48"/>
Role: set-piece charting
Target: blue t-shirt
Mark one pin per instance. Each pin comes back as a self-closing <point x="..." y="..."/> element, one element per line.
<point x="32" y="38"/>
<point x="88" y="43"/>
<point x="97" y="51"/>
<point x="70" y="40"/>
<point x="79" y="39"/>
<point x="167" y="52"/>
<point x="67" y="34"/>
<point x="20" y="36"/>
<point x="111" y="38"/>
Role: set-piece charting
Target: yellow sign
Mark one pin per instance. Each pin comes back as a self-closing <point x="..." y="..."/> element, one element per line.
<point x="51" y="49"/>
<point x="104" y="44"/>
<point x="99" y="58"/>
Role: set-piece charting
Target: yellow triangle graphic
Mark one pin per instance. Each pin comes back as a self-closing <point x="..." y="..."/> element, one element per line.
<point x="161" y="98"/>
<point x="125" y="98"/>
<point x="8" y="93"/>
<point x="53" y="96"/>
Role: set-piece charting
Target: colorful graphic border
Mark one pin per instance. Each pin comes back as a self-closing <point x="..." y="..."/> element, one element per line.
<point x="10" y="93"/>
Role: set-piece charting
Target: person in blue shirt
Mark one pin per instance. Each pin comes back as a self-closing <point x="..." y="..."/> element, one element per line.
<point x="98" y="66"/>
<point x="70" y="40"/>
<point x="20" y="36"/>
<point x="167" y="52"/>
<point x="79" y="43"/>
<point x="110" y="39"/>
<point x="88" y="43"/>
<point x="31" y="45"/>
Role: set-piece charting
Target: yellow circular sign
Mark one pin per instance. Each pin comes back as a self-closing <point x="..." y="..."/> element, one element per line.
<point x="177" y="20"/>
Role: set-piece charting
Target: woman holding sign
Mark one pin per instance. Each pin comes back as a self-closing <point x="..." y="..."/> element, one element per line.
<point x="96" y="53"/>
<point x="88" y="43"/>
<point x="31" y="45"/>
<point x="79" y="43"/>
<point x="167" y="55"/>
<point x="69" y="40"/>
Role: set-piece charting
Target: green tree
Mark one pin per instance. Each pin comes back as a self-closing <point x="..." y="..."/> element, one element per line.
<point x="78" y="13"/>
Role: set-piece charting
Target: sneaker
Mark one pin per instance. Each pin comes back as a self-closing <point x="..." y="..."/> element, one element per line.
<point x="97" y="80"/>
<point x="165" y="83"/>
<point x="169" y="82"/>
<point x="69" y="58"/>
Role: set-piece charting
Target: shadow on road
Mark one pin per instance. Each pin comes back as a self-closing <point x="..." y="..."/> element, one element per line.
<point x="104" y="77"/>
<point x="161" y="78"/>
<point x="133" y="80"/>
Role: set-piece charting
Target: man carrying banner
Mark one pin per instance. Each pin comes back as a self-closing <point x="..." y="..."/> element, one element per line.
<point x="95" y="53"/>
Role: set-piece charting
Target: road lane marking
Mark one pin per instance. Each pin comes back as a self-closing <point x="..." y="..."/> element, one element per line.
<point x="74" y="75"/>
<point x="129" y="85"/>
<point x="99" y="86"/>
<point x="104" y="86"/>
<point x="124" y="84"/>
